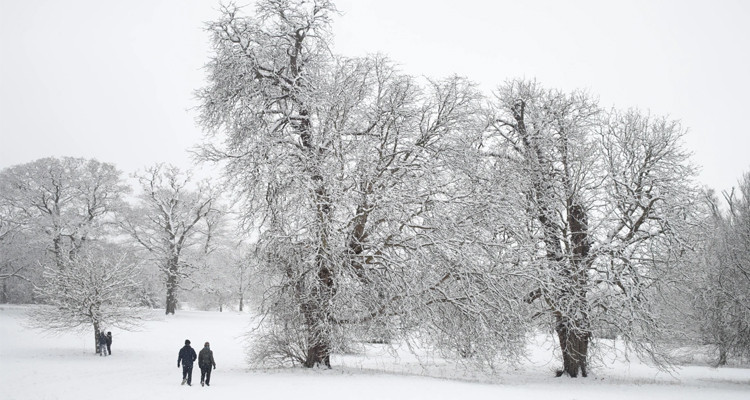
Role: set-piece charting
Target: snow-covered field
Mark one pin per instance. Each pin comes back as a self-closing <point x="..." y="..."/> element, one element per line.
<point x="143" y="365"/>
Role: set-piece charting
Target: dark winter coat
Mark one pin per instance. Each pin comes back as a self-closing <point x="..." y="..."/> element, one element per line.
<point x="109" y="339"/>
<point x="102" y="338"/>
<point x="206" y="358"/>
<point x="187" y="356"/>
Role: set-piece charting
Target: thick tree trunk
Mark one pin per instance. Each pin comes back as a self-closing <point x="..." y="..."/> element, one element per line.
<point x="4" y="293"/>
<point x="171" y="304"/>
<point x="574" y="335"/>
<point x="314" y="308"/>
<point x="57" y="250"/>
<point x="96" y="337"/>
<point x="722" y="356"/>
<point x="316" y="314"/>
<point x="171" y="298"/>
<point x="574" y="343"/>
<point x="318" y="342"/>
<point x="317" y="325"/>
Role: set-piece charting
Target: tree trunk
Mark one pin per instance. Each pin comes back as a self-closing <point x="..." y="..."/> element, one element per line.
<point x="4" y="293"/>
<point x="316" y="313"/>
<point x="171" y="299"/>
<point x="171" y="305"/>
<point x="574" y="343"/>
<point x="57" y="250"/>
<point x="574" y="334"/>
<point x="96" y="337"/>
<point x="242" y="302"/>
<point x="722" y="356"/>
<point x="318" y="338"/>
<point x="317" y="316"/>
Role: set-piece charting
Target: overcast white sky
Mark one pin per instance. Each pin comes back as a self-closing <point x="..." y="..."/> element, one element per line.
<point x="114" y="80"/>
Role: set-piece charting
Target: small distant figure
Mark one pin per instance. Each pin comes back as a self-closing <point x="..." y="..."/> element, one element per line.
<point x="205" y="362"/>
<point x="187" y="356"/>
<point x="102" y="344"/>
<point x="109" y="343"/>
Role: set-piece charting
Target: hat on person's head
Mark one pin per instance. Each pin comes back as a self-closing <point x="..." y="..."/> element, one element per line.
<point x="187" y="341"/>
<point x="206" y="344"/>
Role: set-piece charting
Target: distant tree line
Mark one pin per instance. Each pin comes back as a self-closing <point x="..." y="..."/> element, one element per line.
<point x="73" y="239"/>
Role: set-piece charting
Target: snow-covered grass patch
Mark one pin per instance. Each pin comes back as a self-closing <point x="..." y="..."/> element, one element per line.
<point x="143" y="366"/>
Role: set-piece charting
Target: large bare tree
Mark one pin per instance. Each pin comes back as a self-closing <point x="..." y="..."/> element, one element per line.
<point x="171" y="219"/>
<point x="98" y="289"/>
<point x="67" y="200"/>
<point x="607" y="193"/>
<point x="720" y="282"/>
<point x="349" y="168"/>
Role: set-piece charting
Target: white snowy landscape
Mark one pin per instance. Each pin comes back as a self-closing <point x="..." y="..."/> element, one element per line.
<point x="143" y="366"/>
<point x="375" y="199"/>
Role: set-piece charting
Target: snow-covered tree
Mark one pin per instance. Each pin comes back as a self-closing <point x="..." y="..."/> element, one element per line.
<point x="67" y="200"/>
<point x="97" y="289"/>
<point x="174" y="223"/>
<point x="9" y="232"/>
<point x="20" y="253"/>
<point x="346" y="166"/>
<point x="608" y="194"/>
<point x="720" y="288"/>
<point x="50" y="209"/>
<point x="226" y="278"/>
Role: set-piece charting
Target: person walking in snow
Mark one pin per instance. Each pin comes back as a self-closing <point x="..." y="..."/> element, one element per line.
<point x="187" y="356"/>
<point x="102" y="344"/>
<point x="205" y="362"/>
<point x="109" y="343"/>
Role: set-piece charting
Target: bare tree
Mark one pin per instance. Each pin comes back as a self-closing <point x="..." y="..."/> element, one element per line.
<point x="95" y="290"/>
<point x="350" y="171"/>
<point x="262" y="91"/>
<point x="170" y="219"/>
<point x="607" y="193"/>
<point x="226" y="276"/>
<point x="68" y="200"/>
<point x="49" y="210"/>
<point x="9" y="227"/>
<point x="720" y="286"/>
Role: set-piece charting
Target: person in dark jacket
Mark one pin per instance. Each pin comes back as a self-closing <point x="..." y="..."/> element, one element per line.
<point x="187" y="356"/>
<point x="109" y="343"/>
<point x="102" y="344"/>
<point x="205" y="362"/>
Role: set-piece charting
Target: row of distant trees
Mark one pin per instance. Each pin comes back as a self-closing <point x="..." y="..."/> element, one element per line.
<point x="391" y="208"/>
<point x="73" y="237"/>
<point x="396" y="207"/>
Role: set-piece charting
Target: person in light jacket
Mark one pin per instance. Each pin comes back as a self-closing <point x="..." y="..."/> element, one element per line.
<point x="187" y="356"/>
<point x="205" y="363"/>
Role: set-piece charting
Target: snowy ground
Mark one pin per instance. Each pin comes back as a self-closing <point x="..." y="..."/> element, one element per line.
<point x="143" y="366"/>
